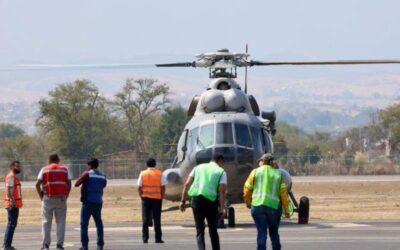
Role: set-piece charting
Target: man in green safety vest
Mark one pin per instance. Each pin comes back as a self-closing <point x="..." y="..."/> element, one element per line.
<point x="206" y="186"/>
<point x="264" y="192"/>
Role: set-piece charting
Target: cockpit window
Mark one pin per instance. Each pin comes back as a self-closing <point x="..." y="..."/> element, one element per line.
<point x="224" y="133"/>
<point x="206" y="136"/>
<point x="255" y="134"/>
<point x="242" y="135"/>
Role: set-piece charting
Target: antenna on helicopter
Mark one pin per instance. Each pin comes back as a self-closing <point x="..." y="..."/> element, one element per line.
<point x="245" y="70"/>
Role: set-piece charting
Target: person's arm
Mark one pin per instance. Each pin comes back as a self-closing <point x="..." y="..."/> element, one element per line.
<point x="105" y="184"/>
<point x="284" y="199"/>
<point x="82" y="179"/>
<point x="10" y="190"/>
<point x="139" y="184"/>
<point x="39" y="188"/>
<point x="222" y="198"/>
<point x="69" y="186"/>
<point x="248" y="189"/>
<point x="186" y="187"/>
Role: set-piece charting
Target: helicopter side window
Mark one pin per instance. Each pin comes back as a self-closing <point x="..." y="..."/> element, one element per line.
<point x="192" y="139"/>
<point x="224" y="133"/>
<point x="206" y="136"/>
<point x="242" y="135"/>
<point x="182" y="147"/>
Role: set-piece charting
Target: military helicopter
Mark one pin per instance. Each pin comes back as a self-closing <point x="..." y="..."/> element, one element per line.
<point x="227" y="120"/>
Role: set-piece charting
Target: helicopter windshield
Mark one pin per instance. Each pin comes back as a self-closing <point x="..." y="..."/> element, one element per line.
<point x="224" y="133"/>
<point x="206" y="136"/>
<point x="242" y="135"/>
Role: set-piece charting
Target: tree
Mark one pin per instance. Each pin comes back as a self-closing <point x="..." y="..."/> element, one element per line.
<point x="390" y="118"/>
<point x="138" y="100"/>
<point x="77" y="120"/>
<point x="9" y="131"/>
<point x="311" y="154"/>
<point x="171" y="125"/>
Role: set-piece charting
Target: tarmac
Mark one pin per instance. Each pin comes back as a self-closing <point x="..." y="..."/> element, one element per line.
<point x="316" y="235"/>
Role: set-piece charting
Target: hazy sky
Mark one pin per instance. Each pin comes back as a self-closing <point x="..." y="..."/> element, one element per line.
<point x="100" y="31"/>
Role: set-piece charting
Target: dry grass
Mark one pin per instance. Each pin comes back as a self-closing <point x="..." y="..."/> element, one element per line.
<point x="329" y="201"/>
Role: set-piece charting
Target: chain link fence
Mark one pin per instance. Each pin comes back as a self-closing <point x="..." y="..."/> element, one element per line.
<point x="129" y="168"/>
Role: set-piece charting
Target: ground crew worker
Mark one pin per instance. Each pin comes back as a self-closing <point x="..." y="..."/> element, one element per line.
<point x="12" y="201"/>
<point x="93" y="182"/>
<point x="207" y="186"/>
<point x="151" y="187"/>
<point x="264" y="191"/>
<point x="53" y="186"/>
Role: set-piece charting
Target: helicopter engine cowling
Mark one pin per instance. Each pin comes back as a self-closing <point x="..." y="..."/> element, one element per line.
<point x="235" y="100"/>
<point x="213" y="101"/>
<point x="174" y="184"/>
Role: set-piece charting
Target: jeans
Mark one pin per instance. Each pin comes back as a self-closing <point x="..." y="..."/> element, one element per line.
<point x="206" y="209"/>
<point x="151" y="207"/>
<point x="91" y="209"/>
<point x="13" y="213"/>
<point x="267" y="218"/>
<point x="57" y="207"/>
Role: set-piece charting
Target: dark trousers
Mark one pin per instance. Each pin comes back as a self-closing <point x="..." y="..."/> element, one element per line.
<point x="13" y="213"/>
<point x="151" y="208"/>
<point x="267" y="219"/>
<point x="206" y="209"/>
<point x="91" y="209"/>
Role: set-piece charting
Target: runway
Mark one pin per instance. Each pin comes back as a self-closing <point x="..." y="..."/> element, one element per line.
<point x="317" y="235"/>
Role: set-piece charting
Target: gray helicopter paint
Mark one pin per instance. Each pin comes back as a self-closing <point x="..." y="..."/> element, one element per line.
<point x="237" y="169"/>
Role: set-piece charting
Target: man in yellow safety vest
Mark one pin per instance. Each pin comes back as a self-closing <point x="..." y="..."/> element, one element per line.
<point x="207" y="190"/>
<point x="264" y="192"/>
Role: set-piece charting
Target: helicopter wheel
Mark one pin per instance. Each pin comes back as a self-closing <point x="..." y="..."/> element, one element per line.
<point x="231" y="217"/>
<point x="304" y="210"/>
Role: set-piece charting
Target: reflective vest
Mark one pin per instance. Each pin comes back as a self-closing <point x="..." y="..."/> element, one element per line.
<point x="16" y="191"/>
<point x="206" y="181"/>
<point x="267" y="185"/>
<point x="95" y="186"/>
<point x="55" y="180"/>
<point x="151" y="183"/>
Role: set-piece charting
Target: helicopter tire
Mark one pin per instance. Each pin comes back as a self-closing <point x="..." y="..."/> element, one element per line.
<point x="231" y="217"/>
<point x="304" y="210"/>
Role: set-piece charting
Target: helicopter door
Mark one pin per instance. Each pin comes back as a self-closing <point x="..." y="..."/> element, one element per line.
<point x="182" y="146"/>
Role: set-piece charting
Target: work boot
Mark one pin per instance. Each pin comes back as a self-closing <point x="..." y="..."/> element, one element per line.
<point x="159" y="241"/>
<point x="59" y="247"/>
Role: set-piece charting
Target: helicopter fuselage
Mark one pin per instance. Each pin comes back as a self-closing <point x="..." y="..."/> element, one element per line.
<point x="239" y="137"/>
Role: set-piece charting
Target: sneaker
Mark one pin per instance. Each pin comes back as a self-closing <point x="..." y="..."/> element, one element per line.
<point x="59" y="247"/>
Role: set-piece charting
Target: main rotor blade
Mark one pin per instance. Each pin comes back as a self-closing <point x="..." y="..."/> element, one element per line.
<point x="184" y="64"/>
<point x="39" y="67"/>
<point x="337" y="62"/>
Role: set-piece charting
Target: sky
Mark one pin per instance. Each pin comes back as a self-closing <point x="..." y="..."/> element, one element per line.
<point x="126" y="31"/>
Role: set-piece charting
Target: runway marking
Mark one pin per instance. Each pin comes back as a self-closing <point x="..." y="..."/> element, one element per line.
<point x="164" y="228"/>
<point x="344" y="225"/>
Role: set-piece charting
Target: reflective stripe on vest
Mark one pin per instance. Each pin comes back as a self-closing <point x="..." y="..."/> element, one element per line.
<point x="55" y="180"/>
<point x="206" y="181"/>
<point x="17" y="194"/>
<point x="151" y="183"/>
<point x="95" y="186"/>
<point x="267" y="182"/>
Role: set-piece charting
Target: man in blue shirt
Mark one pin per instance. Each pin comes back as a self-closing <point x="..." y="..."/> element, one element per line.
<point x="93" y="182"/>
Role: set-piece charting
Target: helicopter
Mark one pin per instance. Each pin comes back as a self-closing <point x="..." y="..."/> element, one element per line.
<point x="226" y="120"/>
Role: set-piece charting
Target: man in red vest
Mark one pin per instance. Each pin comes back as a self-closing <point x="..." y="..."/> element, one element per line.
<point x="12" y="201"/>
<point x="151" y="187"/>
<point x="53" y="186"/>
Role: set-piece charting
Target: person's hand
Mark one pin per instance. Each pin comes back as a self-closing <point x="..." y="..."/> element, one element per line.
<point x="222" y="213"/>
<point x="182" y="206"/>
<point x="12" y="202"/>
<point x="248" y="206"/>
<point x="287" y="215"/>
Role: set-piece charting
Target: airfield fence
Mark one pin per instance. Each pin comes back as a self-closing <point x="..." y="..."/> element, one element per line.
<point x="128" y="168"/>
